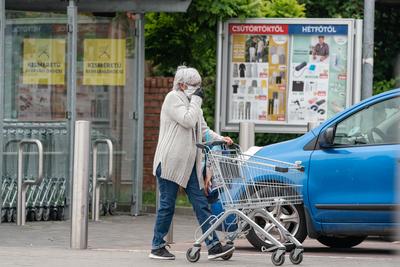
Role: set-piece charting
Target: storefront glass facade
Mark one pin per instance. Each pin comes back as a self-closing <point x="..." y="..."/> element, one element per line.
<point x="36" y="105"/>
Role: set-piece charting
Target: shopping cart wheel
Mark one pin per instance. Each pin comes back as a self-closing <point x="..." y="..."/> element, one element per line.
<point x="112" y="208"/>
<point x="46" y="214"/>
<point x="60" y="213"/>
<point x="30" y="217"/>
<point x="38" y="214"/>
<point x="277" y="261"/>
<point x="8" y="215"/>
<point x="105" y="208"/>
<point x="3" y="215"/>
<point x="13" y="215"/>
<point x="296" y="259"/>
<point x="192" y="258"/>
<point x="53" y="214"/>
<point x="227" y="257"/>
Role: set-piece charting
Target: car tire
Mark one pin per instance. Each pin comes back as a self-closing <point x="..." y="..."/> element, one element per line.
<point x="341" y="242"/>
<point x="299" y="230"/>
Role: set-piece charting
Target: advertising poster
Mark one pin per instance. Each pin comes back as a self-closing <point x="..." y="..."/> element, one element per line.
<point x="44" y="61"/>
<point x="318" y="74"/>
<point x="104" y="62"/>
<point x="283" y="74"/>
<point x="277" y="77"/>
<point x="258" y="54"/>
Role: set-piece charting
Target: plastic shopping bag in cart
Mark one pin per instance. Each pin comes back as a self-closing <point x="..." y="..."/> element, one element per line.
<point x="229" y="224"/>
<point x="212" y="190"/>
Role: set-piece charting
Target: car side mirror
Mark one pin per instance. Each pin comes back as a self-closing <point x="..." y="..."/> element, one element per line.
<point x="326" y="140"/>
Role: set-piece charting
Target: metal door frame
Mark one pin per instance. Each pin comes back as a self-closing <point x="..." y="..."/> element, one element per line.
<point x="138" y="116"/>
<point x="2" y="36"/>
<point x="72" y="14"/>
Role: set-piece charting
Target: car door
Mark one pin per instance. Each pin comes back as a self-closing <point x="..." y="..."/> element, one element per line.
<point x="353" y="179"/>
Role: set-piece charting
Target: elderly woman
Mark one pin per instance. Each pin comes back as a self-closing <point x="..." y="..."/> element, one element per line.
<point x="177" y="161"/>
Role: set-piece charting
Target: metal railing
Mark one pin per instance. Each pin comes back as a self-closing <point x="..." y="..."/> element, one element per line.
<point x="23" y="184"/>
<point x="98" y="181"/>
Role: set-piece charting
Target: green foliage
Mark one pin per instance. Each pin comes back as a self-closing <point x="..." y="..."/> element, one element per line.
<point x="176" y="38"/>
<point x="387" y="24"/>
<point x="209" y="100"/>
<point x="149" y="198"/>
<point x="334" y="8"/>
<point x="384" y="85"/>
<point x="283" y="9"/>
<point x="191" y="38"/>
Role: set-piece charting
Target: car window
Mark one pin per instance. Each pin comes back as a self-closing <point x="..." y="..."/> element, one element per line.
<point x="376" y="124"/>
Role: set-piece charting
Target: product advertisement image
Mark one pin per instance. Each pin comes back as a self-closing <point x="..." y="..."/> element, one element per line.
<point x="284" y="73"/>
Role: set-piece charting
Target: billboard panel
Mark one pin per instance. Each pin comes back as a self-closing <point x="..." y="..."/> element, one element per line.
<point x="284" y="73"/>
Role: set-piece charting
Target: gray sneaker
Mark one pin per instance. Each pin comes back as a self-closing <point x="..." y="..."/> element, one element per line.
<point x="161" y="254"/>
<point x="219" y="251"/>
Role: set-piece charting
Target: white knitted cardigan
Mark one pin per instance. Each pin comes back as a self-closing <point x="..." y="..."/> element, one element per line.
<point x="176" y="148"/>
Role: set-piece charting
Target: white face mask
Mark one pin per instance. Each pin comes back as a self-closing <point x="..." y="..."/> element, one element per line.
<point x="190" y="90"/>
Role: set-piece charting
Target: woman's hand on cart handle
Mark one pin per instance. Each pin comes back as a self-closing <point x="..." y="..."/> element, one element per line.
<point x="225" y="141"/>
<point x="228" y="140"/>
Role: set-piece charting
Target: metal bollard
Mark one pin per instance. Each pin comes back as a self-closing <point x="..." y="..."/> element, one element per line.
<point x="96" y="185"/>
<point x="246" y="135"/>
<point x="80" y="187"/>
<point x="23" y="184"/>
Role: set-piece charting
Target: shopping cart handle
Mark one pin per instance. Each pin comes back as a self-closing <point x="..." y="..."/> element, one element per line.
<point x="201" y="146"/>
<point x="210" y="144"/>
<point x="281" y="169"/>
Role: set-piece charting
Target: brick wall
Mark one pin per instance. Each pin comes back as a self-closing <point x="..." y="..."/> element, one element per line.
<point x="155" y="89"/>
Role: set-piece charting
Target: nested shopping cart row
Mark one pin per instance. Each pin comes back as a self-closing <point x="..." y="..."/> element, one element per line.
<point x="48" y="199"/>
<point x="44" y="202"/>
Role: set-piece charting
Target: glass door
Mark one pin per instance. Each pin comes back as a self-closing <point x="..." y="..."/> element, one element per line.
<point x="105" y="96"/>
<point x="34" y="107"/>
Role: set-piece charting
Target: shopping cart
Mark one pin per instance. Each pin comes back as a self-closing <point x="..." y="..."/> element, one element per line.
<point x="247" y="185"/>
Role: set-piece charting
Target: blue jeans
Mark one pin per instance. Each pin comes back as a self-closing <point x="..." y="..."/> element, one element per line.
<point x="166" y="209"/>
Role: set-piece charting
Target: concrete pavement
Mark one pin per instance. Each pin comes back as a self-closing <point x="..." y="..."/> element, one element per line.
<point x="125" y="241"/>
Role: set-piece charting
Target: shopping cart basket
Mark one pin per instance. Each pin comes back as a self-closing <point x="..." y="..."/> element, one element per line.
<point x="246" y="185"/>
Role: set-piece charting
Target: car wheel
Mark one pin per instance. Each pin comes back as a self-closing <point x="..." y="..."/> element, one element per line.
<point x="290" y="216"/>
<point x="341" y="242"/>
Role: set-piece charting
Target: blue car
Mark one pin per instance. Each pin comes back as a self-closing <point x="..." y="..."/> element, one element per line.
<point x="349" y="182"/>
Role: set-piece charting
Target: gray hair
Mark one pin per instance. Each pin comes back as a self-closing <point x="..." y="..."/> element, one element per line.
<point x="185" y="75"/>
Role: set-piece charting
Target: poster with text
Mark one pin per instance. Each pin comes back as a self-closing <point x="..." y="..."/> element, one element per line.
<point x="259" y="52"/>
<point x="43" y="61"/>
<point x="318" y="77"/>
<point x="104" y="62"/>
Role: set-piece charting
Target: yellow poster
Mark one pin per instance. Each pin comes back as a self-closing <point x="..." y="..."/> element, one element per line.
<point x="44" y="61"/>
<point x="239" y="48"/>
<point x="104" y="62"/>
